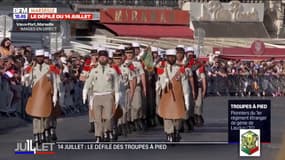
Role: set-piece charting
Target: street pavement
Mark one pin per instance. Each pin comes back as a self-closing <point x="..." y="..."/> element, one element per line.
<point x="205" y="143"/>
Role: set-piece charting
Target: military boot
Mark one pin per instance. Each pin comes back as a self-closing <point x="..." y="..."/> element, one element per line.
<point x="133" y="126"/>
<point x="171" y="137"/>
<point x="139" y="124"/>
<point x="124" y="130"/>
<point x="92" y="128"/>
<point x="129" y="128"/>
<point x="98" y="139"/>
<point x="190" y="124"/>
<point x="42" y="138"/>
<point x="36" y="140"/>
<point x="106" y="137"/>
<point x="182" y="127"/>
<point x="112" y="137"/>
<point x="177" y="136"/>
<point x="119" y="130"/>
<point x="53" y="134"/>
<point x="199" y="121"/>
<point x="47" y="135"/>
<point x="196" y="120"/>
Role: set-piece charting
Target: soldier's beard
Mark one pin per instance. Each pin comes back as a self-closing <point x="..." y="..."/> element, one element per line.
<point x="103" y="63"/>
<point x="40" y="62"/>
<point x="171" y="62"/>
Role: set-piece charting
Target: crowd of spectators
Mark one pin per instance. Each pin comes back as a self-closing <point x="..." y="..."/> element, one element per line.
<point x="14" y="65"/>
<point x="245" y="78"/>
<point x="224" y="78"/>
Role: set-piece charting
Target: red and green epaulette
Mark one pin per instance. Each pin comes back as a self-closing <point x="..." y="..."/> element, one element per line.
<point x="117" y="69"/>
<point x="54" y="69"/>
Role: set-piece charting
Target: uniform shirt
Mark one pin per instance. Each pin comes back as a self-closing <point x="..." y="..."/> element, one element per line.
<point x="200" y="73"/>
<point x="85" y="72"/>
<point x="125" y="77"/>
<point x="37" y="72"/>
<point x="174" y="72"/>
<point x="102" y="82"/>
<point x="138" y="70"/>
<point x="188" y="70"/>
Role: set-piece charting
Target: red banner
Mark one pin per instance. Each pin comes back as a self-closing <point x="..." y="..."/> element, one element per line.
<point x="145" y="16"/>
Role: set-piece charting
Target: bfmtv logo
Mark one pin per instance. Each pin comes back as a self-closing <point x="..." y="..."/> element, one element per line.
<point x="20" y="13"/>
<point x="20" y="10"/>
<point x="250" y="142"/>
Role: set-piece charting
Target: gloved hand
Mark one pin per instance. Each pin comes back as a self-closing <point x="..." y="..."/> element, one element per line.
<point x="84" y="96"/>
<point x="186" y="101"/>
<point x="117" y="98"/>
<point x="166" y="81"/>
<point x="54" y="100"/>
<point x="84" y="99"/>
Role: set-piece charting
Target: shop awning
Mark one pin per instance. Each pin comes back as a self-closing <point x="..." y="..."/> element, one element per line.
<point x="247" y="54"/>
<point x="151" y="31"/>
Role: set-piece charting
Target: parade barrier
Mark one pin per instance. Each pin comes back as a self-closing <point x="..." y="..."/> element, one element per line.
<point x="241" y="85"/>
<point x="13" y="98"/>
<point x="8" y="96"/>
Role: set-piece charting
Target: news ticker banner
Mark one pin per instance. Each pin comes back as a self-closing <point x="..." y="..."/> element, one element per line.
<point x="111" y="146"/>
<point x="48" y="14"/>
<point x="27" y="147"/>
<point x="249" y="114"/>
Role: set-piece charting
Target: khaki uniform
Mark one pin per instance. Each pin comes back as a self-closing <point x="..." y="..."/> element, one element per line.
<point x="172" y="125"/>
<point x="84" y="75"/>
<point x="191" y="106"/>
<point x="52" y="120"/>
<point x="103" y="82"/>
<point x="136" y="104"/>
<point x="123" y="80"/>
<point x="137" y="110"/>
<point x="39" y="123"/>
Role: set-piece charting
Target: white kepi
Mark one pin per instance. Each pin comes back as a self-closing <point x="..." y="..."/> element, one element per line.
<point x="170" y="52"/>
<point x="39" y="52"/>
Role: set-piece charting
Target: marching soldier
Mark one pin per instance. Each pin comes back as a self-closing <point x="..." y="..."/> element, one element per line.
<point x="103" y="82"/>
<point x="89" y="64"/>
<point x="184" y="60"/>
<point x="127" y="84"/>
<point x="44" y="96"/>
<point x="199" y="86"/>
<point x="201" y="92"/>
<point x="51" y="123"/>
<point x="136" y="105"/>
<point x="150" y="63"/>
<point x="173" y="89"/>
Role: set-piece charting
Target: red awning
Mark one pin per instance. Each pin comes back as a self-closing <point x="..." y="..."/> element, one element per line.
<point x="151" y="31"/>
<point x="247" y="54"/>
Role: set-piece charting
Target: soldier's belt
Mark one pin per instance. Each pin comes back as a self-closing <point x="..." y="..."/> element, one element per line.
<point x="101" y="93"/>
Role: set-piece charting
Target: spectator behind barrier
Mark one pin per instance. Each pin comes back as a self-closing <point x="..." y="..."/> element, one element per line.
<point x="6" y="47"/>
